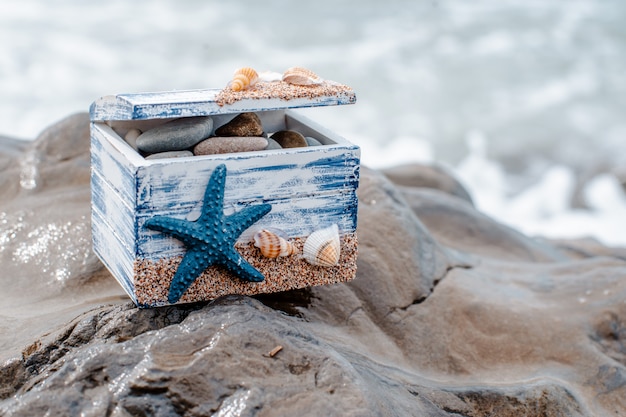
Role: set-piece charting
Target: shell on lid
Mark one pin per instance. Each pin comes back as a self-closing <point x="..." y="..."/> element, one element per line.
<point x="301" y="76"/>
<point x="270" y="76"/>
<point x="243" y="78"/>
<point x="323" y="247"/>
<point x="273" y="243"/>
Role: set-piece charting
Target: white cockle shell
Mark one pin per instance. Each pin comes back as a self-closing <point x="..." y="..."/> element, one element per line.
<point x="323" y="247"/>
<point x="273" y="243"/>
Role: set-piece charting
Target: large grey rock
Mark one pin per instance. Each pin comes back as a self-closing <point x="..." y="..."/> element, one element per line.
<point x="177" y="135"/>
<point x="427" y="176"/>
<point x="451" y="314"/>
<point x="49" y="273"/>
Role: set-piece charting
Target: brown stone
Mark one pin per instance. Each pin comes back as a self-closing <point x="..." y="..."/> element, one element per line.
<point x="244" y="124"/>
<point x="289" y="139"/>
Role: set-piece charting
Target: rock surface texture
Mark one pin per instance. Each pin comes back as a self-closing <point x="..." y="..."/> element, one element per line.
<point x="451" y="314"/>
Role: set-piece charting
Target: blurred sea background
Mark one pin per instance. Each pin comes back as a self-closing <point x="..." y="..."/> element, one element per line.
<point x="524" y="100"/>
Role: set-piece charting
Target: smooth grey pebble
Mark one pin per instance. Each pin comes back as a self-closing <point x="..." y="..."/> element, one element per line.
<point x="312" y="141"/>
<point x="169" y="154"/>
<point x="272" y="144"/>
<point x="177" y="135"/>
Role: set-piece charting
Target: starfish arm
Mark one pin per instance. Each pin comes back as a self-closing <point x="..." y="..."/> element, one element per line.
<point x="191" y="267"/>
<point x="182" y="230"/>
<point x="213" y="204"/>
<point x="235" y="263"/>
<point x="238" y="222"/>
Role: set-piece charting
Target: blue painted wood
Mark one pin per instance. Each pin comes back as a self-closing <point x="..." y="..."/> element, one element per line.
<point x="112" y="163"/>
<point x="160" y="105"/>
<point x="295" y="217"/>
<point x="310" y="171"/>
<point x="117" y="214"/>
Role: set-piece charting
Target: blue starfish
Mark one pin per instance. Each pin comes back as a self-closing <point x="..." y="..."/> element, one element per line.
<point x="210" y="239"/>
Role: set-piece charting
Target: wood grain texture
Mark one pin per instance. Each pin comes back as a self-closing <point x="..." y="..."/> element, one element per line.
<point x="159" y="105"/>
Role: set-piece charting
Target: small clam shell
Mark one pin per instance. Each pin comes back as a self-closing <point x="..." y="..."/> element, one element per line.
<point x="272" y="244"/>
<point x="301" y="76"/>
<point x="323" y="247"/>
<point x="243" y="78"/>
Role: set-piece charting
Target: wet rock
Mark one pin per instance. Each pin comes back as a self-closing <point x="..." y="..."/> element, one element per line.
<point x="49" y="271"/>
<point x="229" y="144"/>
<point x="451" y="314"/>
<point x="244" y="124"/>
<point x="289" y="139"/>
<point x="11" y="152"/>
<point x="586" y="248"/>
<point x="456" y="224"/>
<point x="427" y="176"/>
<point x="176" y="135"/>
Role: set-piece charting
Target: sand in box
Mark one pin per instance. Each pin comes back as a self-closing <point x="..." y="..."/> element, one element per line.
<point x="153" y="278"/>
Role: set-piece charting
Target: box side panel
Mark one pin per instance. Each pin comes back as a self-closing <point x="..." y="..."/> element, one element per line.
<point x="252" y="177"/>
<point x="111" y="164"/>
<point x="296" y="217"/>
<point x="112" y="206"/>
<point x="113" y="253"/>
<point x="115" y="213"/>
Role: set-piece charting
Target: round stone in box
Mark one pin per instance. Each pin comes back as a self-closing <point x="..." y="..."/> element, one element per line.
<point x="176" y="135"/>
<point x="229" y="144"/>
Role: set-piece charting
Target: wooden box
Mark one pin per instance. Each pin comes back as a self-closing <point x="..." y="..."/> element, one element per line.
<point x="308" y="188"/>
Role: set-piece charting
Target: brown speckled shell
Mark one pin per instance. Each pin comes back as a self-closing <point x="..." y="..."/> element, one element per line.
<point x="272" y="245"/>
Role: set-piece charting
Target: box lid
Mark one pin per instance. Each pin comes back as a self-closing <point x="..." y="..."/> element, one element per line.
<point x="265" y="96"/>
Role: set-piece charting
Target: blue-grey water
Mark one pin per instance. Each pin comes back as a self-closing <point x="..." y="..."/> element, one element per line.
<point x="533" y="91"/>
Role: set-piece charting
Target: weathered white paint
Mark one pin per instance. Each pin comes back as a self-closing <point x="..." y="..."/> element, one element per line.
<point x="159" y="105"/>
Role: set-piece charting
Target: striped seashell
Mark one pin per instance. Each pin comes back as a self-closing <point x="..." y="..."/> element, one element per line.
<point x="323" y="247"/>
<point x="243" y="78"/>
<point x="273" y="243"/>
<point x="301" y="76"/>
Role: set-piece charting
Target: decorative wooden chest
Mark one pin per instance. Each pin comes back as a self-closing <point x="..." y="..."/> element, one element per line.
<point x="185" y="229"/>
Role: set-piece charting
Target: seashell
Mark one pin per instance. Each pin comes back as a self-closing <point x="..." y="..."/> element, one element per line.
<point x="301" y="76"/>
<point x="270" y="76"/>
<point x="323" y="247"/>
<point x="243" y="78"/>
<point x="273" y="243"/>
